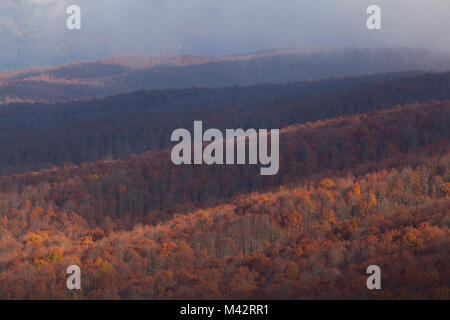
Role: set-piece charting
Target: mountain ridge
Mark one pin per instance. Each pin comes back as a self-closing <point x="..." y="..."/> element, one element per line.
<point x="97" y="79"/>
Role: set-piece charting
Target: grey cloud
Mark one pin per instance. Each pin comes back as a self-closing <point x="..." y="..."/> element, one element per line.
<point x="217" y="27"/>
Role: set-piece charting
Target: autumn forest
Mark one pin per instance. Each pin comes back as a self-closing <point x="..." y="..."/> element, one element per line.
<point x="364" y="179"/>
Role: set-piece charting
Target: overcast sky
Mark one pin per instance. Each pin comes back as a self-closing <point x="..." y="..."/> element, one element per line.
<point x="34" y="31"/>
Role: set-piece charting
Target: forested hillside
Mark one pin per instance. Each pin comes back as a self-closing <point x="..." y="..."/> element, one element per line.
<point x="364" y="178"/>
<point x="311" y="240"/>
<point x="150" y="187"/>
<point x="107" y="77"/>
<point x="241" y="151"/>
<point x="39" y="136"/>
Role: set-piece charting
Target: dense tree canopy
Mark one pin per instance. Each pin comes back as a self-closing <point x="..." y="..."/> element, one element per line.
<point x="362" y="181"/>
<point x="40" y="136"/>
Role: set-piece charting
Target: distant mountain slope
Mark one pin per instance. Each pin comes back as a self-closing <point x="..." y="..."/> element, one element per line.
<point x="38" y="136"/>
<point x="150" y="187"/>
<point x="106" y="77"/>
